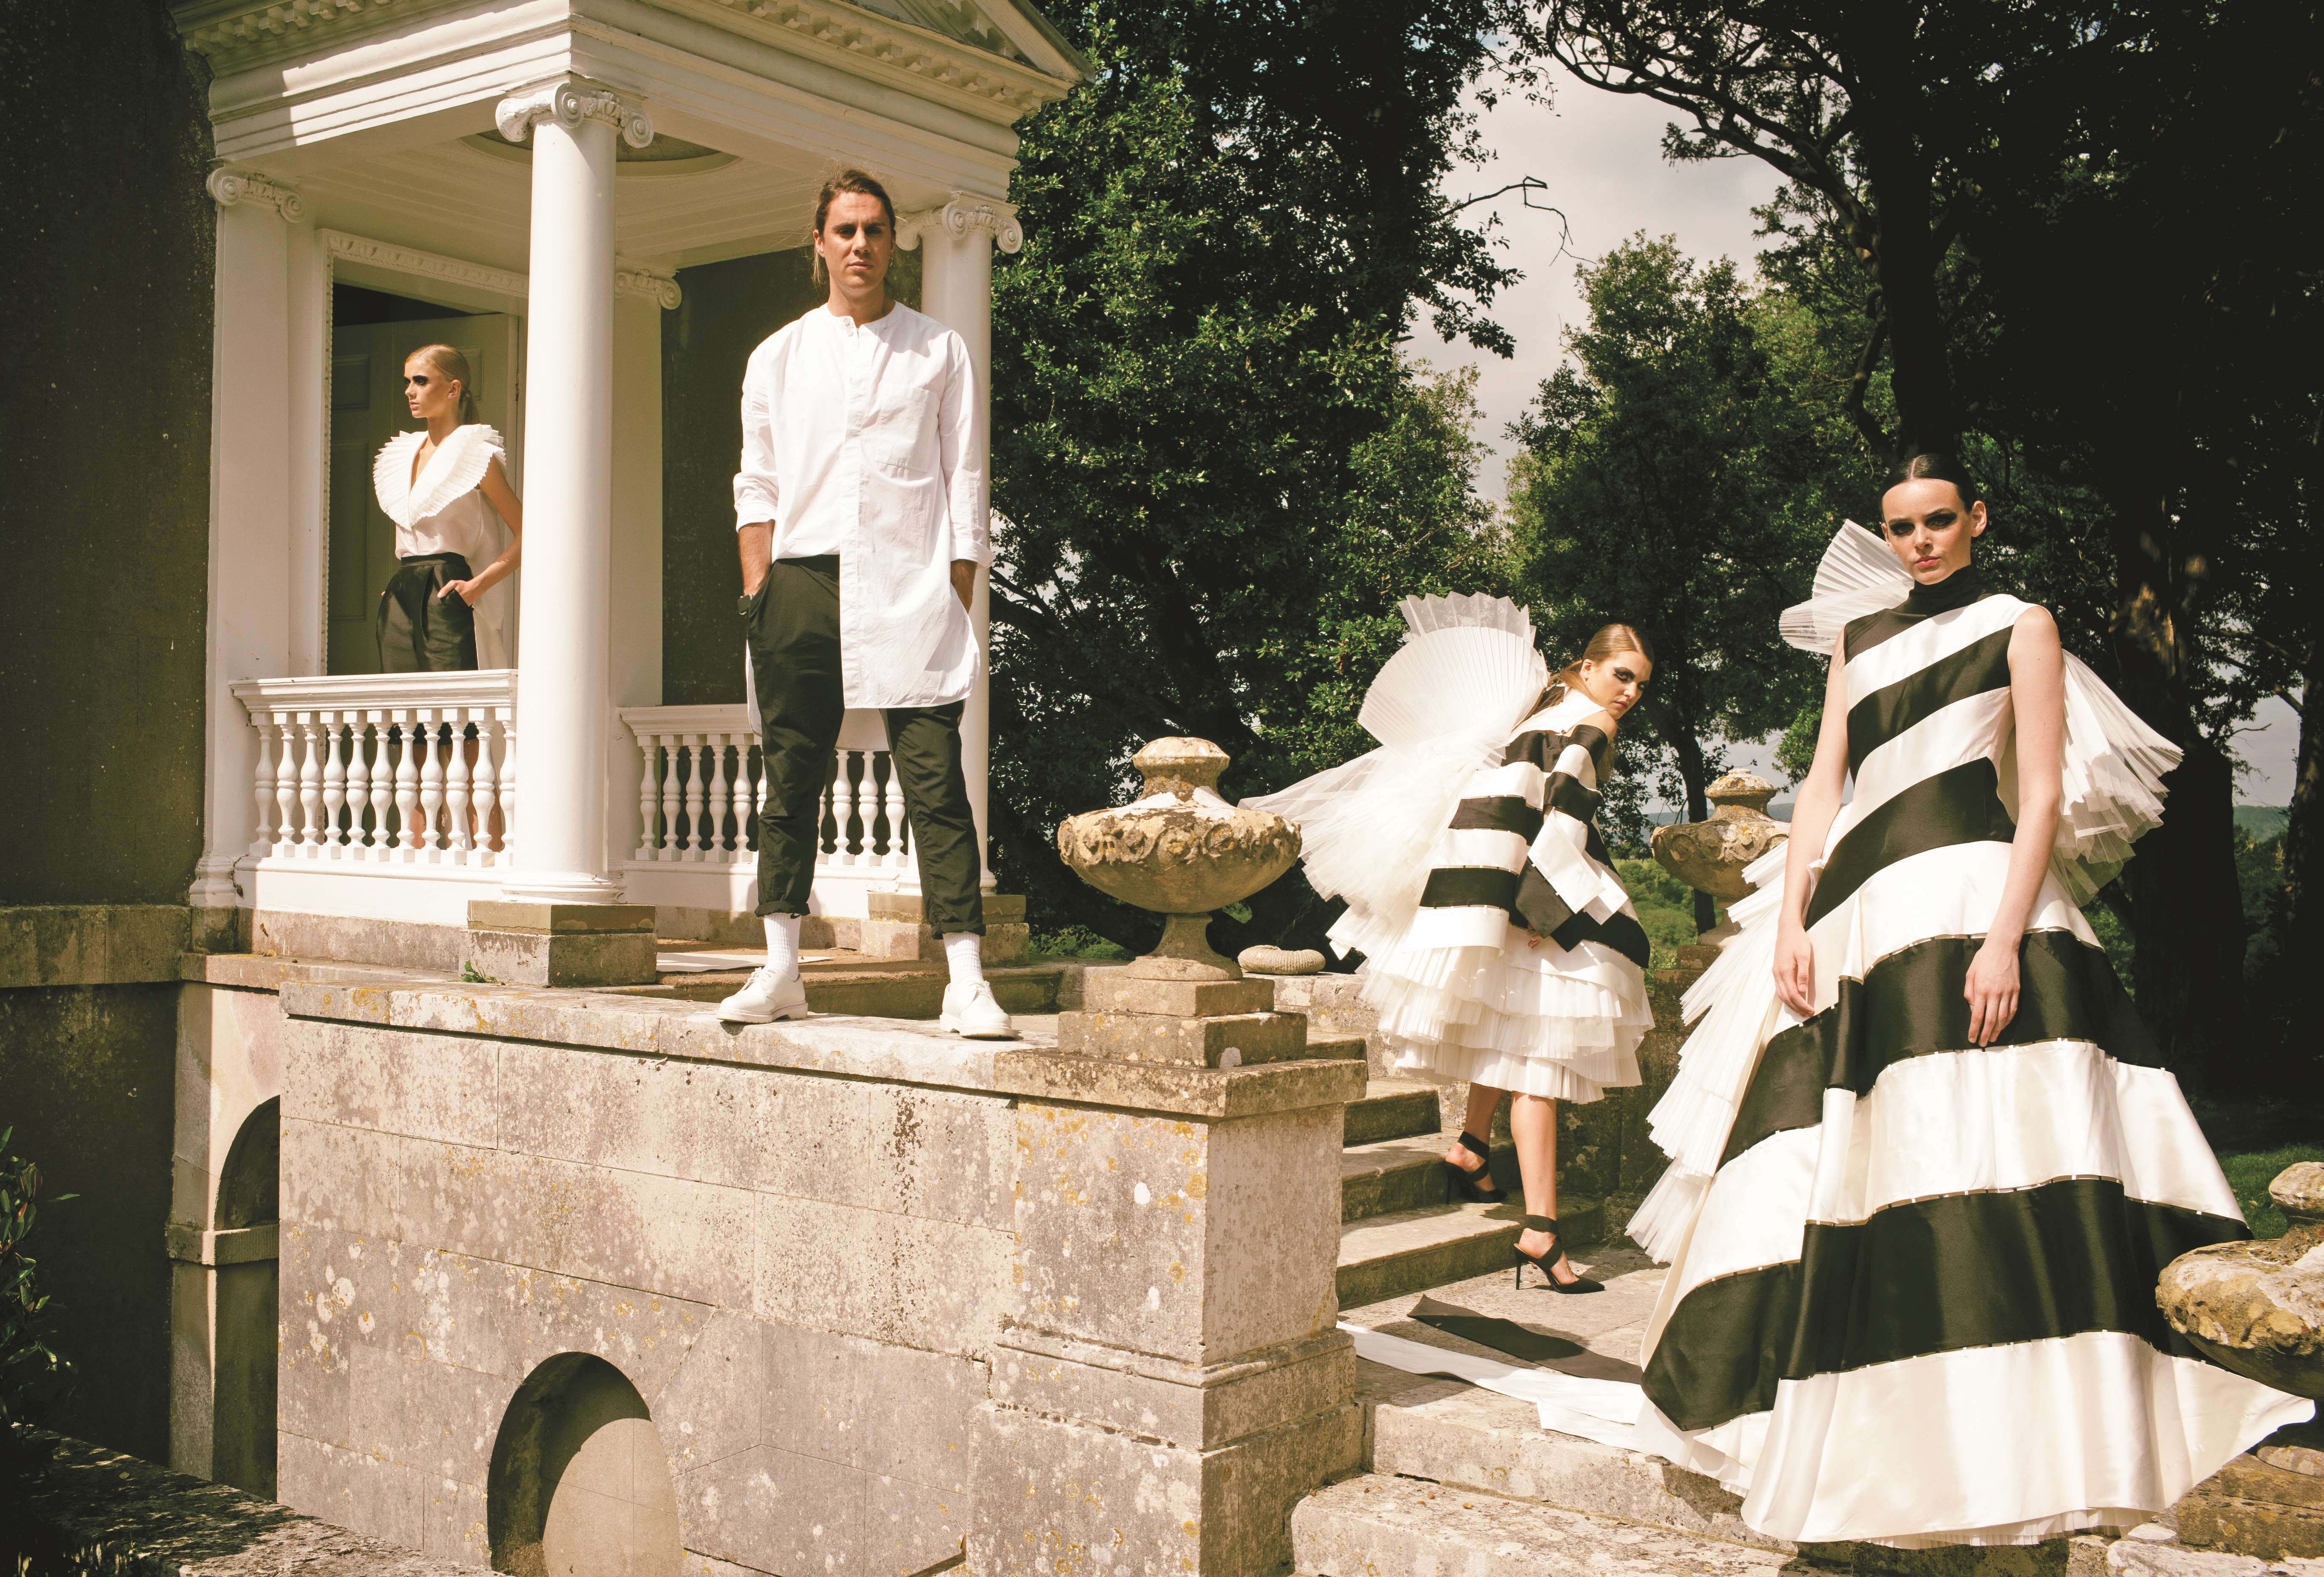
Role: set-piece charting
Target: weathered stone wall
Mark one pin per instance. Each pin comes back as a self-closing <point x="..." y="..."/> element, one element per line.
<point x="727" y="309"/>
<point x="104" y="456"/>
<point x="883" y="1294"/>
<point x="87" y="1032"/>
<point x="799" y="1274"/>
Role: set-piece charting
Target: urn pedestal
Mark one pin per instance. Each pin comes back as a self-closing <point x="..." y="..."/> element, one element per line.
<point x="1170" y="1379"/>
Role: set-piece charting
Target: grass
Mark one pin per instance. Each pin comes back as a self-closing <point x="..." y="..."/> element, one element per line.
<point x="2255" y="1137"/>
<point x="1075" y="942"/>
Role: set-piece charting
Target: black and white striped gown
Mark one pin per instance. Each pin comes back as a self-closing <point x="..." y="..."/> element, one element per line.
<point x="1915" y="1300"/>
<point x="1524" y="967"/>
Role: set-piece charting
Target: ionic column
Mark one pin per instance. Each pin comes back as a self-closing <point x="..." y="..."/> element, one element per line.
<point x="956" y="291"/>
<point x="251" y="466"/>
<point x="564" y="676"/>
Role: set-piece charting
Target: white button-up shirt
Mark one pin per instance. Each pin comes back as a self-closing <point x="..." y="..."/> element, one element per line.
<point x="866" y="442"/>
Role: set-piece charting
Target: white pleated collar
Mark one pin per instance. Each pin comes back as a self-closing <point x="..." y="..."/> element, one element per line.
<point x="457" y="468"/>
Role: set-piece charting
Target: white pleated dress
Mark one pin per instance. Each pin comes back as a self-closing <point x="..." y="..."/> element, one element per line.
<point x="1912" y="1287"/>
<point x="1499" y="945"/>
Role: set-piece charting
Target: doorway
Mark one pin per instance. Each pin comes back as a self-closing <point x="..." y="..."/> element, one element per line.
<point x="371" y="333"/>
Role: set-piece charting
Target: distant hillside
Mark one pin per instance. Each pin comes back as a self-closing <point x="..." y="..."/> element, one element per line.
<point x="2262" y="821"/>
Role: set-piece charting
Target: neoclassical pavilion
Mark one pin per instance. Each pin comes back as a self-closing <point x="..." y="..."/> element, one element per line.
<point x="527" y="178"/>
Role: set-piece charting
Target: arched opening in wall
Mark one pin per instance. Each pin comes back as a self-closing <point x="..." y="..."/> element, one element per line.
<point x="248" y="1325"/>
<point x="580" y="1486"/>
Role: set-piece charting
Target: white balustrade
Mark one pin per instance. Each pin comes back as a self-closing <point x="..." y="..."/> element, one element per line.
<point x="701" y="779"/>
<point x="384" y="770"/>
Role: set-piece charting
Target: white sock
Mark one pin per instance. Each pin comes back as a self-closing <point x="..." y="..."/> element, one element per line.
<point x="965" y="952"/>
<point x="782" y="944"/>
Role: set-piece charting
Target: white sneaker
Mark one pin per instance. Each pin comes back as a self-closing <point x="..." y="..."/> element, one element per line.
<point x="972" y="1011"/>
<point x="765" y="998"/>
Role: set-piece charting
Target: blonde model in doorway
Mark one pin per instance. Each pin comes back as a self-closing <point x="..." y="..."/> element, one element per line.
<point x="447" y="489"/>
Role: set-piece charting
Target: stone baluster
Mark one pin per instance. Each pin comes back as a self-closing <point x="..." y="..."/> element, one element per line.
<point x="648" y="746"/>
<point x="483" y="791"/>
<point x="507" y="716"/>
<point x="458" y="778"/>
<point x="334" y="784"/>
<point x="358" y="783"/>
<point x="407" y="787"/>
<point x="672" y="800"/>
<point x="899" y="824"/>
<point x="714" y="805"/>
<point x="759" y="796"/>
<point x="286" y="785"/>
<point x="843" y="806"/>
<point x="741" y="800"/>
<point x="311" y="786"/>
<point x="691" y="842"/>
<point x="262" y="788"/>
<point x="382" y="784"/>
<point x="431" y="782"/>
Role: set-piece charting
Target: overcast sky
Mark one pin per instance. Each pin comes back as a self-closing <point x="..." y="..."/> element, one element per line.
<point x="1601" y="154"/>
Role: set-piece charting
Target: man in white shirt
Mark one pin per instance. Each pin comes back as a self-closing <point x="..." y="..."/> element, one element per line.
<point x="859" y="510"/>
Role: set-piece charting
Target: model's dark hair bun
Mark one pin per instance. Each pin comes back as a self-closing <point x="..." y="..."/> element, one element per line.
<point x="1936" y="466"/>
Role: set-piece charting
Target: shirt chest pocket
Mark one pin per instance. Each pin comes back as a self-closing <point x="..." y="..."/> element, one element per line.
<point x="901" y="436"/>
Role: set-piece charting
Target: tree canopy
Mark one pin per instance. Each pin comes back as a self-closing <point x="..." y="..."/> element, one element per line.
<point x="1217" y="470"/>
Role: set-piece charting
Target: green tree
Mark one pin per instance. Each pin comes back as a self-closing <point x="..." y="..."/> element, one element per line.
<point x="2080" y="233"/>
<point x="1215" y="469"/>
<point x="1673" y="481"/>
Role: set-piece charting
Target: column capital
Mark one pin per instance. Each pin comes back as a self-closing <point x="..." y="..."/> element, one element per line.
<point x="229" y="186"/>
<point x="569" y="101"/>
<point x="967" y="212"/>
<point x="644" y="281"/>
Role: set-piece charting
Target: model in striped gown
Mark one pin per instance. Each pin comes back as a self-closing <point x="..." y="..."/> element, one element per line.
<point x="1510" y="956"/>
<point x="1925" y="1165"/>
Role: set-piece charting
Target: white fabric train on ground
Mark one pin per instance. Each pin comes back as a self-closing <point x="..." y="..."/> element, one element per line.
<point x="1605" y="1411"/>
<point x="1499" y="945"/>
<point x="1911" y="1295"/>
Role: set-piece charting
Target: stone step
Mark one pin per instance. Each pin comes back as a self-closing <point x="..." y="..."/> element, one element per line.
<point x="1387" y="1256"/>
<point x="1465" y="1437"/>
<point x="908" y="989"/>
<point x="1467" y="1441"/>
<point x="1393" y="1108"/>
<point x="1405" y="1173"/>
<point x="1375" y="1526"/>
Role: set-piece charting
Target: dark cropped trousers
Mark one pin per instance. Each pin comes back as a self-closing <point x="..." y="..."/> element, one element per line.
<point x="791" y="624"/>
<point x="419" y="631"/>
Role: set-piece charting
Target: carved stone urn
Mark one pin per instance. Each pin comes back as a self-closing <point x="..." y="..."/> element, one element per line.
<point x="1181" y="850"/>
<point x="1710" y="856"/>
<point x="2258" y="1307"/>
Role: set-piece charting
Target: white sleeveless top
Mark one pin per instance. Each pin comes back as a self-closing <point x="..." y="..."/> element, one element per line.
<point x="443" y="511"/>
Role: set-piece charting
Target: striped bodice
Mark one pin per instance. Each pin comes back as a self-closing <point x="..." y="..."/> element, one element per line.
<point x="1928" y="702"/>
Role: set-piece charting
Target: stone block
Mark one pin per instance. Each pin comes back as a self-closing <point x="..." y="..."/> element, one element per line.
<point x="684" y="1120"/>
<point x="647" y="1337"/>
<point x="1060" y="1497"/>
<point x="1178" y="1405"/>
<point x="920" y="1413"/>
<point x="936" y="1154"/>
<point x="1203" y="1093"/>
<point x="1251" y="1038"/>
<point x="912" y="1529"/>
<point x="453" y="1522"/>
<point x="345" y="1179"/>
<point x="932" y="1285"/>
<point x="1191" y="1241"/>
<point x="558" y="919"/>
<point x="563" y="958"/>
<point x="1117" y="991"/>
<point x="815" y="1382"/>
<point x="2251" y="1507"/>
<point x="777" y="1510"/>
<point x="713" y="1405"/>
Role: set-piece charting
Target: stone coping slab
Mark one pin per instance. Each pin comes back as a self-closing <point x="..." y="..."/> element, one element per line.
<point x="264" y="971"/>
<point x="84" y="1508"/>
<point x="904" y="1051"/>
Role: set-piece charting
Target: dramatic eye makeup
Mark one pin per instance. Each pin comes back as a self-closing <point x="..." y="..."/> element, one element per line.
<point x="1938" y="521"/>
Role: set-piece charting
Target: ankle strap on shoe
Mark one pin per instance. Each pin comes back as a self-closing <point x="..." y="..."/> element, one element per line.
<point x="1540" y="1223"/>
<point x="1476" y="1147"/>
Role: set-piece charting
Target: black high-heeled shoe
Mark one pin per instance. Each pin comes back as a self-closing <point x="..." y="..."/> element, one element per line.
<point x="1478" y="1187"/>
<point x="1542" y="1262"/>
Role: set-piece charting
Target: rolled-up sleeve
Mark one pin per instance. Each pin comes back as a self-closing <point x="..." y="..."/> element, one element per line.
<point x="756" y="491"/>
<point x="960" y="427"/>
